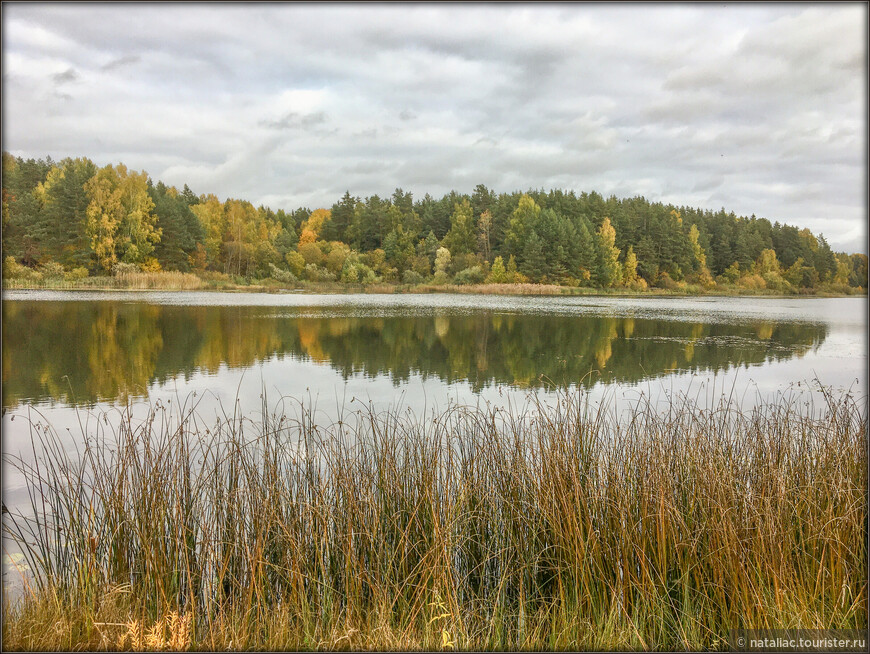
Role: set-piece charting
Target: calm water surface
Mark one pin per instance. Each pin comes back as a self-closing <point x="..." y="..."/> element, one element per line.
<point x="71" y="357"/>
<point x="64" y="350"/>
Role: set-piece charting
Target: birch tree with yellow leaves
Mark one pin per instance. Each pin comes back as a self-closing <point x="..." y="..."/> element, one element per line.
<point x="120" y="223"/>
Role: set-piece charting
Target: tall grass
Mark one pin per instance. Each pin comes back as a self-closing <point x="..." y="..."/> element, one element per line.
<point x="169" y="280"/>
<point x="164" y="280"/>
<point x="563" y="526"/>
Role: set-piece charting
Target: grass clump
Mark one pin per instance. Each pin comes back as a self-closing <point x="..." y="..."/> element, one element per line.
<point x="563" y="526"/>
<point x="167" y="280"/>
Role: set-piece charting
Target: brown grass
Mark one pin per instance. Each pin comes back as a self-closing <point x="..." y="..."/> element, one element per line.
<point x="567" y="526"/>
<point x="174" y="281"/>
<point x="164" y="280"/>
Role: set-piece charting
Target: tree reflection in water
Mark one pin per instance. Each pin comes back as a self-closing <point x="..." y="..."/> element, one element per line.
<point x="84" y="352"/>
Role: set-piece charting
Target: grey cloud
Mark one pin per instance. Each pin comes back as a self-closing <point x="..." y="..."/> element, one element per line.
<point x="367" y="134"/>
<point x="294" y="120"/>
<point x="487" y="141"/>
<point x="407" y="115"/>
<point x="708" y="184"/>
<point x="69" y="75"/>
<point x="121" y="61"/>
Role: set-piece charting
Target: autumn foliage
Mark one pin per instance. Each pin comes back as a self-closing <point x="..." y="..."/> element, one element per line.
<point x="79" y="216"/>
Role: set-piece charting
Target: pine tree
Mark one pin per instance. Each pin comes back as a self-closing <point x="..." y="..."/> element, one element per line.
<point x="181" y="230"/>
<point x="533" y="260"/>
<point x="586" y="251"/>
<point x="341" y="217"/>
<point x="65" y="212"/>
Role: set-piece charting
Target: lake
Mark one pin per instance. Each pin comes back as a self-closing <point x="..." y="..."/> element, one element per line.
<point x="70" y="358"/>
<point x="63" y="350"/>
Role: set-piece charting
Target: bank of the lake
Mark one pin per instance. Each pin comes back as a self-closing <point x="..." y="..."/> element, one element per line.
<point x="188" y="281"/>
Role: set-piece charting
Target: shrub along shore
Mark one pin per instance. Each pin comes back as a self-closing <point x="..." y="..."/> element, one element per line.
<point x="21" y="278"/>
<point x="565" y="525"/>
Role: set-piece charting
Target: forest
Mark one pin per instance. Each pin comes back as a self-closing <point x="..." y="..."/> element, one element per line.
<point x="73" y="219"/>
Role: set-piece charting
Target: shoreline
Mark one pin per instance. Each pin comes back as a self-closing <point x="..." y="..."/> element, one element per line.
<point x="547" y="290"/>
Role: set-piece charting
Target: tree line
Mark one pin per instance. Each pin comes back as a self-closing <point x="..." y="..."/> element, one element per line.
<point x="73" y="217"/>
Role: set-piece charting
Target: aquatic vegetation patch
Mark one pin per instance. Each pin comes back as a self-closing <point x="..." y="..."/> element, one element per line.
<point x="566" y="525"/>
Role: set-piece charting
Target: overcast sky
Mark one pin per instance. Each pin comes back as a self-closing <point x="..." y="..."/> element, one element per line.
<point x="756" y="108"/>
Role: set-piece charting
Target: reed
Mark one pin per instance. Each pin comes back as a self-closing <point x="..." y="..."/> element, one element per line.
<point x="505" y="289"/>
<point x="166" y="280"/>
<point x="566" y="525"/>
<point x="139" y="280"/>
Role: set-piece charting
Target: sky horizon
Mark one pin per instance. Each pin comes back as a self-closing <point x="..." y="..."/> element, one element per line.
<point x="760" y="109"/>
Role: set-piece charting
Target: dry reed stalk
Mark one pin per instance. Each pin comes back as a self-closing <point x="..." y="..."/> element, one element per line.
<point x="568" y="525"/>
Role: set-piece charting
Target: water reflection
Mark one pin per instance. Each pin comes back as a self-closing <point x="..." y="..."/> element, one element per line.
<point x="85" y="352"/>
